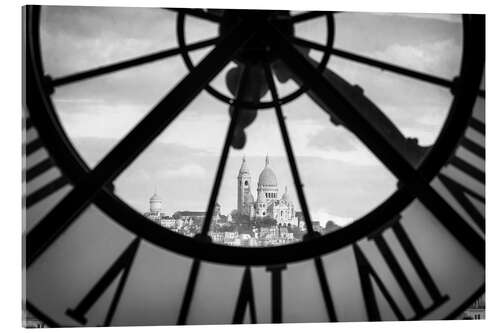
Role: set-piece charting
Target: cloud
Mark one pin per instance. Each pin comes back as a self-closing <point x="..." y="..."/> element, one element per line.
<point x="342" y="179"/>
<point x="333" y="138"/>
<point x="440" y="57"/>
<point x="366" y="33"/>
<point x="76" y="38"/>
<point x="187" y="170"/>
<point x="453" y="18"/>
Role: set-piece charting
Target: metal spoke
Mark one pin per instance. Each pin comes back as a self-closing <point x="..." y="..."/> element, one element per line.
<point x="289" y="150"/>
<point x="188" y="292"/>
<point x="308" y="16"/>
<point x="411" y="179"/>
<point x="235" y="115"/>
<point x="376" y="63"/>
<point x="129" y="63"/>
<point x="325" y="289"/>
<point x="127" y="150"/>
<point x="198" y="13"/>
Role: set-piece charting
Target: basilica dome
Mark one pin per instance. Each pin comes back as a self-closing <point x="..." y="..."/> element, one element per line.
<point x="267" y="177"/>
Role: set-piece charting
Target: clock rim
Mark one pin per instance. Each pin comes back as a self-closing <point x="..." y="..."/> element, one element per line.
<point x="71" y="163"/>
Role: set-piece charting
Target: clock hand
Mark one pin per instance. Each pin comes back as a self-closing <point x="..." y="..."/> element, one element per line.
<point x="407" y="147"/>
<point x="414" y="181"/>
<point x="248" y="87"/>
<point x="125" y="152"/>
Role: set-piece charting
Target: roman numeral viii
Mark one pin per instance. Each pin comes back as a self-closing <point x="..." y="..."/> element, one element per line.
<point x="121" y="265"/>
<point x="368" y="277"/>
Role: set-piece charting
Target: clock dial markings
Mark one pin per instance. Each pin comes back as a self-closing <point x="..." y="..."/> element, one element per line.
<point x="221" y="284"/>
<point x="452" y="260"/>
<point x="276" y="292"/>
<point x="188" y="294"/>
<point x="28" y="124"/>
<point x="477" y="125"/>
<point x="33" y="146"/>
<point x="41" y="176"/>
<point x="245" y="300"/>
<point x="121" y="266"/>
<point x="303" y="298"/>
<point x="462" y="182"/>
<point x="66" y="272"/>
<point x="45" y="185"/>
<point x="300" y="192"/>
<point x="38" y="169"/>
<point x="41" y="236"/>
<point x="367" y="274"/>
<point x="325" y="289"/>
<point x="244" y="293"/>
<point x="45" y="191"/>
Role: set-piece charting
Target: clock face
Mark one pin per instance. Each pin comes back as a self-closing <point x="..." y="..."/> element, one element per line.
<point x="93" y="259"/>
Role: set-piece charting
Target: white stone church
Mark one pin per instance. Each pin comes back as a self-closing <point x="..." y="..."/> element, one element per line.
<point x="268" y="202"/>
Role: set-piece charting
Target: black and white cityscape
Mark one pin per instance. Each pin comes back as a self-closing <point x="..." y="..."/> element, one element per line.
<point x="269" y="219"/>
<point x="321" y="166"/>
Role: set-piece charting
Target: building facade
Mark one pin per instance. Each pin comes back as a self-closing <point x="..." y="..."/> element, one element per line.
<point x="268" y="203"/>
<point x="476" y="310"/>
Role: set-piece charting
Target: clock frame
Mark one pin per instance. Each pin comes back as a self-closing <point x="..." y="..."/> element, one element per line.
<point x="425" y="185"/>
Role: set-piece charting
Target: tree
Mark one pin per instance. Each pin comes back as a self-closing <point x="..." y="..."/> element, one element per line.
<point x="240" y="218"/>
<point x="266" y="222"/>
<point x="331" y="226"/>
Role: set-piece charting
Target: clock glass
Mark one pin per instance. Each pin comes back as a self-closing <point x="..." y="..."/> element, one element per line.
<point x="290" y="166"/>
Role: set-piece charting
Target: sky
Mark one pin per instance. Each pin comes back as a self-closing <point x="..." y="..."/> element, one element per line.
<point x="342" y="179"/>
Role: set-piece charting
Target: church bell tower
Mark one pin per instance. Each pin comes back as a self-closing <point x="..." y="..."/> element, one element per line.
<point x="244" y="181"/>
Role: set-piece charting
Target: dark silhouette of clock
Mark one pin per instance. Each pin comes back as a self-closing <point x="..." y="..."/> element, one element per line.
<point x="90" y="259"/>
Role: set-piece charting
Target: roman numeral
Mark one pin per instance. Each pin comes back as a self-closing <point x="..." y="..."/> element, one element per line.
<point x="461" y="194"/>
<point x="245" y="298"/>
<point x="121" y="265"/>
<point x="51" y="185"/>
<point x="276" y="292"/>
<point x="367" y="273"/>
<point x="325" y="289"/>
<point x="460" y="187"/>
<point x="45" y="191"/>
<point x="188" y="294"/>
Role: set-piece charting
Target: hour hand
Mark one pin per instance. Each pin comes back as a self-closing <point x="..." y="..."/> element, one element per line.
<point x="247" y="83"/>
<point x="408" y="147"/>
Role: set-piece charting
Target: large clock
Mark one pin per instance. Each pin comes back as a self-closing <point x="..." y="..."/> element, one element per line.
<point x="92" y="260"/>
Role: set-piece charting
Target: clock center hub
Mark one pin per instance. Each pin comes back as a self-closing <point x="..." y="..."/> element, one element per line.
<point x="258" y="49"/>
